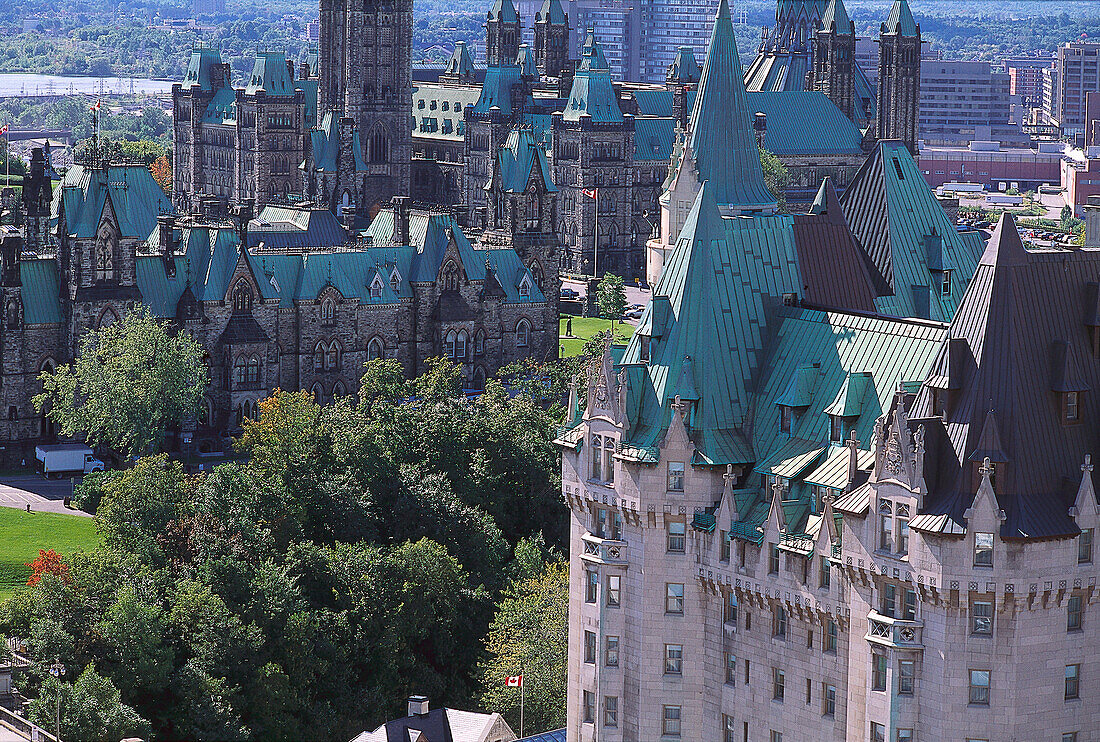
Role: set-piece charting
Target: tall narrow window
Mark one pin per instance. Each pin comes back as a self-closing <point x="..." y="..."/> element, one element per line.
<point x="590" y="647"/>
<point x="828" y="699"/>
<point x="729" y="610"/>
<point x="981" y="617"/>
<point x="779" y="684"/>
<point x="906" y="677"/>
<point x="878" y="732"/>
<point x="886" y="525"/>
<point x="596" y="452"/>
<point x="670" y="721"/>
<point x="889" y="600"/>
<point x="676" y="476"/>
<point x="674" y="597"/>
<point x="589" y="706"/>
<point x="677" y="536"/>
<point x="878" y="672"/>
<point x="731" y="668"/>
<point x="909" y="606"/>
<point x="523" y="333"/>
<point x="983" y="549"/>
<point x="592" y="586"/>
<point x="611" y="651"/>
<point x="611" y="711"/>
<point x="945" y="284"/>
<point x="1074" y="613"/>
<point x="1071" y="406"/>
<point x="1084" y="546"/>
<point x="825" y="573"/>
<point x="979" y="687"/>
<point x="831" y="634"/>
<point x="773" y="559"/>
<point x="614" y="590"/>
<point x="1073" y="682"/>
<point x="674" y="659"/>
<point x="779" y="622"/>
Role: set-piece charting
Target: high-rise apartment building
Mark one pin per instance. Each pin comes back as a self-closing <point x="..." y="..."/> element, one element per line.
<point x="1076" y="73"/>
<point x="964" y="101"/>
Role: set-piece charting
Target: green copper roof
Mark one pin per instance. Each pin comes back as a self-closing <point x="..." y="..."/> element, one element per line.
<point x="709" y="316"/>
<point x="835" y="13"/>
<point x="520" y="160"/>
<point x="135" y="199"/>
<point x="552" y="10"/>
<point x="41" y="290"/>
<point x="805" y="122"/>
<point x="525" y="58"/>
<point x="460" y="62"/>
<point x="222" y="108"/>
<point x="653" y="138"/>
<point x="503" y="11"/>
<point x="901" y="20"/>
<point x="684" y="68"/>
<point x="270" y="74"/>
<point x="200" y="68"/>
<point x="849" y="400"/>
<point x="496" y="90"/>
<point x="593" y="92"/>
<point x="721" y="137"/>
<point x="800" y="392"/>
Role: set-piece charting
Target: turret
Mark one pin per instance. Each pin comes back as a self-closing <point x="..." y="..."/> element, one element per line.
<point x="502" y="33"/>
<point x="899" y="76"/>
<point x="551" y="38"/>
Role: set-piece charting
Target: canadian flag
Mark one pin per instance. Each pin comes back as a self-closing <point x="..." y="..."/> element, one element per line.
<point x="590" y="193"/>
<point x="3" y="130"/>
<point x="513" y="681"/>
<point x="97" y="106"/>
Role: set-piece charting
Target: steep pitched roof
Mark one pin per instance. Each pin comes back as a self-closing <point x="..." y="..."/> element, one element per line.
<point x="1020" y="306"/>
<point x="552" y="10"/>
<point x="270" y="74"/>
<point x="460" y="62"/>
<point x="496" y="89"/>
<point x="710" y="311"/>
<point x="721" y="139"/>
<point x="135" y="197"/>
<point x="901" y="20"/>
<point x="895" y="218"/>
<point x="518" y="159"/>
<point x="200" y="68"/>
<point x="503" y="11"/>
<point x="684" y="68"/>
<point x="525" y="58"/>
<point x="836" y="18"/>
<point x="593" y="92"/>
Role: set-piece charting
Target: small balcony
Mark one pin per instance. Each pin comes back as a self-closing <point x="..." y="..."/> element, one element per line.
<point x="603" y="550"/>
<point x="894" y="632"/>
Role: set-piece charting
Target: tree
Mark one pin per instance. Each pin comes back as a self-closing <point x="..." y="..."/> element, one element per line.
<point x="48" y="563"/>
<point x="162" y="172"/>
<point x="528" y="636"/>
<point x="611" y="297"/>
<point x="776" y="177"/>
<point x="91" y="710"/>
<point x="131" y="381"/>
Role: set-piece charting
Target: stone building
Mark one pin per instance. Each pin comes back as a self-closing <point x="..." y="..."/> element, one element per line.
<point x="241" y="142"/>
<point x="837" y="485"/>
<point x="288" y="298"/>
<point x="899" y="76"/>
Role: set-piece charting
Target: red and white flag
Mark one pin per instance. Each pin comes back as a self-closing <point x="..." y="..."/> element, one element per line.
<point x="590" y="193"/>
<point x="3" y="130"/>
<point x="97" y="105"/>
<point x="513" y="681"/>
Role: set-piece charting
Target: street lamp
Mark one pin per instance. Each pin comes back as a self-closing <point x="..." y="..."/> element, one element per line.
<point x="58" y="671"/>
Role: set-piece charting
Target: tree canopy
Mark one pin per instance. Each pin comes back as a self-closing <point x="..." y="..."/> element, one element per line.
<point x="611" y="296"/>
<point x="131" y="380"/>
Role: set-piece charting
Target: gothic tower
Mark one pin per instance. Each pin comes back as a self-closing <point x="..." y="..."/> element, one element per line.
<point x="37" y="197"/>
<point x="833" y="51"/>
<point x="366" y="62"/>
<point x="502" y="33"/>
<point x="899" y="76"/>
<point x="551" y="38"/>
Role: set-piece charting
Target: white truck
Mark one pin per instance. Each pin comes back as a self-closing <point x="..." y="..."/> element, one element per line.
<point x="67" y="458"/>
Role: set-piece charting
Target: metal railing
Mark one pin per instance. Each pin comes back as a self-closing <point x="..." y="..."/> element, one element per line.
<point x="607" y="551"/>
<point x="23" y="727"/>
<point x="894" y="632"/>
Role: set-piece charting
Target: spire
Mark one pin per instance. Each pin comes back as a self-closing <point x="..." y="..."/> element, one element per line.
<point x="551" y="12"/>
<point x="720" y="133"/>
<point x="592" y="57"/>
<point x="901" y="20"/>
<point x="1005" y="247"/>
<point x="836" y="13"/>
<point x="684" y="69"/>
<point x="826" y="202"/>
<point x="503" y="11"/>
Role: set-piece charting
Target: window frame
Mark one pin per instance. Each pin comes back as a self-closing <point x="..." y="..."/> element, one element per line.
<point x="674" y="477"/>
<point x="879" y="663"/>
<point x="1075" y="613"/>
<point x="979" y="693"/>
<point x="1085" y="541"/>
<point x="674" y="659"/>
<point x="614" y="590"/>
<point x="611" y="651"/>
<point x="983" y="554"/>
<point x="907" y="677"/>
<point x="1073" y="682"/>
<point x="674" y="604"/>
<point x="779" y="684"/>
<point x="671" y="720"/>
<point x="981" y="624"/>
<point x="676" y="543"/>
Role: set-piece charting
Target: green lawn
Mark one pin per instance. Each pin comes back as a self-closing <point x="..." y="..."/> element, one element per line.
<point x="22" y="534"/>
<point x="584" y="328"/>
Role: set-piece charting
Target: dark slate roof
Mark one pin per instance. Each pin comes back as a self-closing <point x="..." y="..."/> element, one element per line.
<point x="721" y="138"/>
<point x="785" y="71"/>
<point x="496" y="90"/>
<point x="805" y="122"/>
<point x="896" y="218"/>
<point x="1021" y="326"/>
<point x="834" y="273"/>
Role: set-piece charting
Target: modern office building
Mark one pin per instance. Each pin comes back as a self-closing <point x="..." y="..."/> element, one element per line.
<point x="965" y="101"/>
<point x="1076" y="73"/>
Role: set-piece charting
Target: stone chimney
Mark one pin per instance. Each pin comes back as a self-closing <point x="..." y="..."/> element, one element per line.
<point x="166" y="224"/>
<point x="418" y="705"/>
<point x="244" y="212"/>
<point x="401" y="220"/>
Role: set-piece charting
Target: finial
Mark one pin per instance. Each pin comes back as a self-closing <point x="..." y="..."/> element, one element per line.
<point x="986" y="469"/>
<point x="1087" y="466"/>
<point x="853" y="440"/>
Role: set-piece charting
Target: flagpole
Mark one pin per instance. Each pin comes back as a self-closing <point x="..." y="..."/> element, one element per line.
<point x="596" y="237"/>
<point x="521" y="701"/>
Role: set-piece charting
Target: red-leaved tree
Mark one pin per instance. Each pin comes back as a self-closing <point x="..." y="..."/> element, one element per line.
<point x="48" y="563"/>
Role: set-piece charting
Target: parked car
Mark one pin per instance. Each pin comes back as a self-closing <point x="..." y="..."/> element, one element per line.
<point x="568" y="293"/>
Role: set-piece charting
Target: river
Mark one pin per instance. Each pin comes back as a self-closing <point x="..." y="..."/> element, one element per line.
<point x="19" y="84"/>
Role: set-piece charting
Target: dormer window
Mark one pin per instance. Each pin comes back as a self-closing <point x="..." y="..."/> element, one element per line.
<point x="1070" y="406"/>
<point x="836" y="428"/>
<point x="525" y="288"/>
<point x="643" y="348"/>
<point x="376" y="287"/>
<point x="939" y="402"/>
<point x="395" y="280"/>
<point x="785" y="414"/>
<point x="945" y="283"/>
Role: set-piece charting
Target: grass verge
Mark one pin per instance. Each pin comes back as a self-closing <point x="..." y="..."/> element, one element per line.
<point x="22" y="534"/>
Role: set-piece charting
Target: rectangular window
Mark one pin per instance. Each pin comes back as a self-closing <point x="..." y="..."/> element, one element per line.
<point x="836" y="428"/>
<point x="674" y="597"/>
<point x="1071" y="406"/>
<point x="878" y="672"/>
<point x="677" y="536"/>
<point x="675" y="476"/>
<point x="809" y="691"/>
<point x="906" y="677"/>
<point x="611" y="711"/>
<point x="905" y="735"/>
<point x="889" y="600"/>
<point x="901" y="523"/>
<point x="746" y="672"/>
<point x="878" y="732"/>
<point x="773" y="559"/>
<point x="824" y="575"/>
<point x="784" y="419"/>
<point x="729" y="609"/>
<point x="601" y="522"/>
<point x="983" y="549"/>
<point x="611" y="651"/>
<point x="885" y="530"/>
<point x="776" y="736"/>
<point x="810" y="638"/>
<point x="828" y="699"/>
<point x="1084" y="546"/>
<point x="1069" y="737"/>
<point x="596" y="452"/>
<point x="830" y="636"/>
<point x="590" y="647"/>
<point x="614" y="589"/>
<point x="779" y="622"/>
<point x="1074" y="613"/>
<point x="616" y="525"/>
<point x="731" y="668"/>
<point x="1073" y="682"/>
<point x="670" y="721"/>
<point x="909" y="607"/>
<point x="724" y="545"/>
<point x="589" y="706"/>
<point x="674" y="659"/>
<point x="979" y="687"/>
<point x="981" y="617"/>
<point x="729" y="729"/>
<point x="591" y="586"/>
<point x="779" y="683"/>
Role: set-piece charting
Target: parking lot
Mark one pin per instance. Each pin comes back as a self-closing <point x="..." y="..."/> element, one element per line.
<point x="43" y="495"/>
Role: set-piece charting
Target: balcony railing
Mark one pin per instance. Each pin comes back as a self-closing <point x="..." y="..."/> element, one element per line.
<point x="603" y="550"/>
<point x="894" y="632"/>
<point x="748" y="531"/>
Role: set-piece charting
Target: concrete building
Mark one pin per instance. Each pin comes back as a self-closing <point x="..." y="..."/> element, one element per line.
<point x="1026" y="77"/>
<point x="992" y="165"/>
<point x="965" y="101"/>
<point x="1076" y="72"/>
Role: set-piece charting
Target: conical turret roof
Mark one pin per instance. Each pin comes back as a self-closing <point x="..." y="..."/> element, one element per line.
<point x="835" y="12"/>
<point x="901" y="20"/>
<point x="721" y="139"/>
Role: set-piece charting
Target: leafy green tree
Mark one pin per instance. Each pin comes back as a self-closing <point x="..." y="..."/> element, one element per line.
<point x="130" y="382"/>
<point x="776" y="177"/>
<point x="611" y="297"/>
<point x="528" y="635"/>
<point x="91" y="710"/>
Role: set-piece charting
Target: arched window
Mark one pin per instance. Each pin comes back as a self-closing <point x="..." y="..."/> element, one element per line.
<point x="332" y="356"/>
<point x="318" y="357"/>
<point x="523" y="333"/>
<point x="254" y="370"/>
<point x="375" y="349"/>
<point x="345" y="202"/>
<point x="328" y="309"/>
<point x="105" y="249"/>
<point x="479" y="342"/>
<point x="536" y="272"/>
<point x="450" y="276"/>
<point x="47" y="366"/>
<point x="460" y="345"/>
<point x="206" y="411"/>
<point x="395" y="280"/>
<point x="525" y="288"/>
<point x="376" y="287"/>
<point x="242" y="296"/>
<point x="338" y="390"/>
<point x="240" y="371"/>
<point x="108" y="318"/>
<point x="378" y="147"/>
<point x="318" y="393"/>
<point x="250" y="410"/>
<point x="449" y="344"/>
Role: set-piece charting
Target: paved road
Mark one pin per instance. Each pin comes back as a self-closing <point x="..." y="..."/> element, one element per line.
<point x="634" y="294"/>
<point x="7" y="735"/>
<point x="43" y="495"/>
